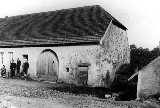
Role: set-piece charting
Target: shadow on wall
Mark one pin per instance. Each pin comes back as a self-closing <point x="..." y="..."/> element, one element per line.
<point x="126" y="89"/>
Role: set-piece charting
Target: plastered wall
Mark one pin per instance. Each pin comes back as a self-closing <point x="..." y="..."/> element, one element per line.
<point x="69" y="57"/>
<point x="149" y="80"/>
<point x="104" y="58"/>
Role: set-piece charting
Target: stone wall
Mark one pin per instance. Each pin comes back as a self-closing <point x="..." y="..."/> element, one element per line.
<point x="115" y="50"/>
<point x="73" y="57"/>
<point x="116" y="44"/>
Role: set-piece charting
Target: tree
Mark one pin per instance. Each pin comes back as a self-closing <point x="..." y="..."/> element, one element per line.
<point x="139" y="57"/>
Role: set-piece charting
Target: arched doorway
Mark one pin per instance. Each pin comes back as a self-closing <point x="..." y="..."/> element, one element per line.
<point x="47" y="65"/>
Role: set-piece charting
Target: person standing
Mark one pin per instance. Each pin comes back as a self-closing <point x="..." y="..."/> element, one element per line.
<point x="25" y="67"/>
<point x="13" y="68"/>
<point x="18" y="66"/>
<point x="3" y="71"/>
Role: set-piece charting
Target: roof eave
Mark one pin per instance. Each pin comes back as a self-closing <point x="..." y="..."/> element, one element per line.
<point x="50" y="45"/>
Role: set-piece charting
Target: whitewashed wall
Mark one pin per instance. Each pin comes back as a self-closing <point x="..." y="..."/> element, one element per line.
<point x="113" y="52"/>
<point x="68" y="56"/>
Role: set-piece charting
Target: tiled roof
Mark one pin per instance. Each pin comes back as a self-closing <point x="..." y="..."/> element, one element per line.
<point x="76" y="25"/>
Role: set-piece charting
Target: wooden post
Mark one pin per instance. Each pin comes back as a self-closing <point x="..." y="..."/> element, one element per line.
<point x="11" y="56"/>
<point x="2" y="56"/>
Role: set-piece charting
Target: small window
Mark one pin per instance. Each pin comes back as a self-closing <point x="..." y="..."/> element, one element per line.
<point x="25" y="56"/>
<point x="67" y="69"/>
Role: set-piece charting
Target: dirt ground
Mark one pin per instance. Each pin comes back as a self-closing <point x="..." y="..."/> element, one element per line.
<point x="16" y="93"/>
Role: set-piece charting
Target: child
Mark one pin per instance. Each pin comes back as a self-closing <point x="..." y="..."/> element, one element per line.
<point x="3" y="71"/>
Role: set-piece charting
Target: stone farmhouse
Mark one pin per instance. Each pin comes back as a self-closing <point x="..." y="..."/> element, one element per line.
<point x="82" y="46"/>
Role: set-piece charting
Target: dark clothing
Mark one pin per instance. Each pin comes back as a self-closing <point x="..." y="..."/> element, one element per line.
<point x="18" y="66"/>
<point x="13" y="69"/>
<point x="3" y="71"/>
<point x="25" y="67"/>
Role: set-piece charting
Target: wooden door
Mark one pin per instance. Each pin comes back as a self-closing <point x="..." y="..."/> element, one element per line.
<point x="47" y="66"/>
<point x="83" y="73"/>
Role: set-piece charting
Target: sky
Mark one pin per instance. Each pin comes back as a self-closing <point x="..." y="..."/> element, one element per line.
<point x="141" y="17"/>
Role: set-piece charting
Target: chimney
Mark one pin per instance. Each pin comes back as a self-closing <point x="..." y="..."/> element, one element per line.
<point x="6" y="17"/>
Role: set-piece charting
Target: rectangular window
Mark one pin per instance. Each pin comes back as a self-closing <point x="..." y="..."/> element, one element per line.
<point x="67" y="69"/>
<point x="25" y="56"/>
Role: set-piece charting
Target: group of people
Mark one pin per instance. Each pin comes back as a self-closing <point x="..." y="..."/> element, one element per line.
<point x="16" y="70"/>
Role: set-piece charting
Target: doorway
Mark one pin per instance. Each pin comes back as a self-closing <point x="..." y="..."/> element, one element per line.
<point x="47" y="65"/>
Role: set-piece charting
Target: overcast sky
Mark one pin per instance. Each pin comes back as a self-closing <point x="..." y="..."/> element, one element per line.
<point x="141" y="17"/>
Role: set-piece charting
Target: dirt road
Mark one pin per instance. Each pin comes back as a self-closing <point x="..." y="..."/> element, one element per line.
<point x="23" y="102"/>
<point x="33" y="94"/>
<point x="26" y="94"/>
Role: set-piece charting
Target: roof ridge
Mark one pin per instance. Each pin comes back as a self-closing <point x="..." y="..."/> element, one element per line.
<point x="69" y="24"/>
<point x="67" y="9"/>
<point x="57" y="10"/>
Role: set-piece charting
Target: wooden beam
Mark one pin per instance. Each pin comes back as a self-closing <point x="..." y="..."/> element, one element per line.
<point x="135" y="74"/>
